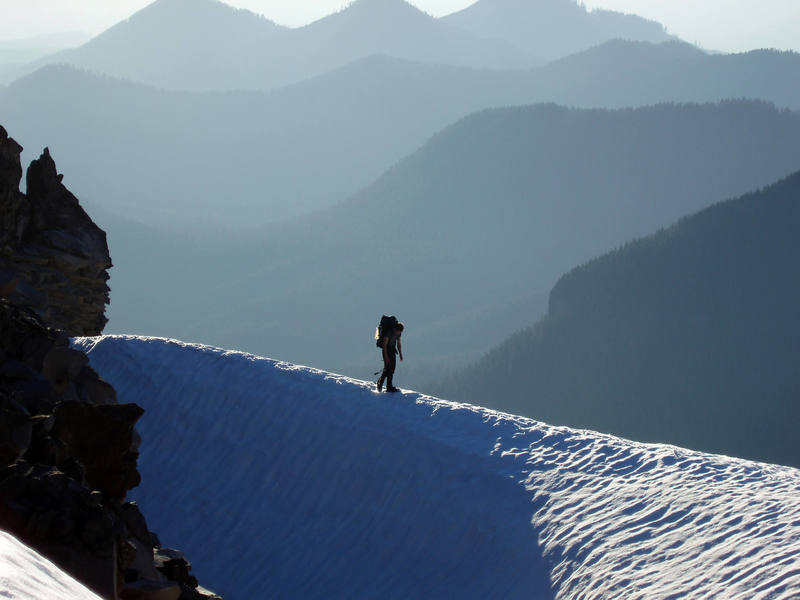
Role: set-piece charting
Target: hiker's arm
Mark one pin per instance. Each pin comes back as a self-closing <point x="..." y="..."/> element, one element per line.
<point x="385" y="350"/>
<point x="400" y="348"/>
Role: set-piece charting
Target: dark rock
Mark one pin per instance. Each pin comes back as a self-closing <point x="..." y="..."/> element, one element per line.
<point x="34" y="395"/>
<point x="10" y="170"/>
<point x="15" y="369"/>
<point x="127" y="553"/>
<point x="47" y="450"/>
<point x="136" y="523"/>
<point x="44" y="449"/>
<point x="53" y="258"/>
<point x="62" y="365"/>
<point x="43" y="423"/>
<point x="63" y="528"/>
<point x="151" y="590"/>
<point x="140" y="564"/>
<point x="12" y="485"/>
<point x="23" y="336"/>
<point x="94" y="390"/>
<point x="72" y="467"/>
<point x="173" y="564"/>
<point x="100" y="437"/>
<point x="16" y="430"/>
<point x="97" y="532"/>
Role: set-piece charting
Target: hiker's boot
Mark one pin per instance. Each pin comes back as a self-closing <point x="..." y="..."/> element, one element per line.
<point x="391" y="388"/>
<point x="379" y="383"/>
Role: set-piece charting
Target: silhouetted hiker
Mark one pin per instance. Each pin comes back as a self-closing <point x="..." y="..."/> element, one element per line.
<point x="388" y="340"/>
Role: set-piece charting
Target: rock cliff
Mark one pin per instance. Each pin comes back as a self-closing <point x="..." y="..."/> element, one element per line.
<point x="53" y="258"/>
<point x="68" y="449"/>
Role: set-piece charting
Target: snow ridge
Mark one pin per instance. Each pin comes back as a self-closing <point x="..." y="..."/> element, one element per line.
<point x="26" y="575"/>
<point x="293" y="482"/>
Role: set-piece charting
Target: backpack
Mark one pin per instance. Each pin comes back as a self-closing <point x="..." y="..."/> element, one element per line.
<point x="386" y="324"/>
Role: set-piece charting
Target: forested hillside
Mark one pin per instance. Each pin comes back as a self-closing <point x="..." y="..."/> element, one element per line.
<point x="689" y="336"/>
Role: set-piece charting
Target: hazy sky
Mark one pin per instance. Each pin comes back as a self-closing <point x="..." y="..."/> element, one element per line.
<point x="729" y="25"/>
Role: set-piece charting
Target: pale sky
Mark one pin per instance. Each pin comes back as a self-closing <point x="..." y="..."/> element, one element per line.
<point x="726" y="25"/>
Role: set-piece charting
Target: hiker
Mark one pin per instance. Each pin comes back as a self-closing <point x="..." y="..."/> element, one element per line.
<point x="389" y="342"/>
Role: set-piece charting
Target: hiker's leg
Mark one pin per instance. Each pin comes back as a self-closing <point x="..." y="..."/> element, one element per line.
<point x="382" y="378"/>
<point x="390" y="371"/>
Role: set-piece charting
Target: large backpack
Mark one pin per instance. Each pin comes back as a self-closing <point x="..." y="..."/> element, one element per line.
<point x="386" y="325"/>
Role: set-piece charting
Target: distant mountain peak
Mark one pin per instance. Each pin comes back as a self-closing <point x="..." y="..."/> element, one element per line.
<point x="382" y="4"/>
<point x="190" y="4"/>
<point x="183" y="4"/>
<point x="552" y="28"/>
<point x="190" y="9"/>
<point x="382" y="8"/>
<point x="517" y="7"/>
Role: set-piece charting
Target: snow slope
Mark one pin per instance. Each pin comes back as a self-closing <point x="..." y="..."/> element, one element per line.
<point x="280" y="481"/>
<point x="25" y="575"/>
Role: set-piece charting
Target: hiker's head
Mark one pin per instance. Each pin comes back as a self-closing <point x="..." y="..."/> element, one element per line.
<point x="399" y="327"/>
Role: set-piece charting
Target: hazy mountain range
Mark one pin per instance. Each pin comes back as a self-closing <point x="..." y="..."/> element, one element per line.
<point x="208" y="45"/>
<point x="551" y="29"/>
<point x="170" y="158"/>
<point x="17" y="55"/>
<point x="688" y="336"/>
<point x="460" y="239"/>
<point x="23" y="50"/>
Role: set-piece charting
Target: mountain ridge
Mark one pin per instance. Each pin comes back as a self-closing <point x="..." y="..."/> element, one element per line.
<point x="553" y="29"/>
<point x="204" y="45"/>
<point x="683" y="336"/>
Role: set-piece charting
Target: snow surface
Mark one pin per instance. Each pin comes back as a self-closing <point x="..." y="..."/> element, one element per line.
<point x="25" y="575"/>
<point x="280" y="481"/>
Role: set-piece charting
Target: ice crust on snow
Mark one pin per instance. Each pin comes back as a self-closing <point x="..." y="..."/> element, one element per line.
<point x="26" y="575"/>
<point x="283" y="481"/>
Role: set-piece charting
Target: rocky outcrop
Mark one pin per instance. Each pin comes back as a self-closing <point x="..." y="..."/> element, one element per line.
<point x="68" y="449"/>
<point x="64" y="470"/>
<point x="53" y="258"/>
